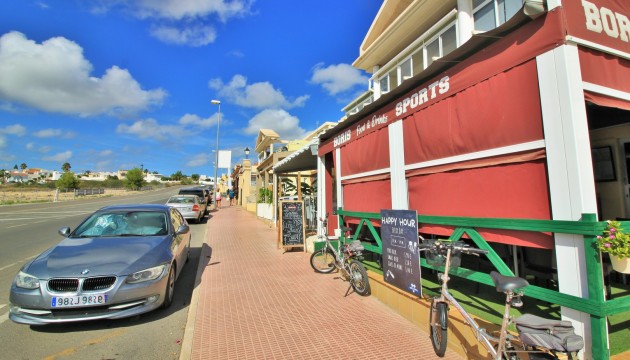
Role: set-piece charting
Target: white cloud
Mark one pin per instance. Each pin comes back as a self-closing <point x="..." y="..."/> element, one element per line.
<point x="196" y="120"/>
<point x="258" y="95"/>
<point x="150" y="129"/>
<point x="105" y="153"/>
<point x="179" y="21"/>
<point x="193" y="36"/>
<point x="198" y="160"/>
<point x="15" y="129"/>
<point x="42" y="149"/>
<point x="280" y="121"/>
<point x="60" y="157"/>
<point x="186" y="9"/>
<point x="54" y="133"/>
<point x="338" y="78"/>
<point x="54" y="76"/>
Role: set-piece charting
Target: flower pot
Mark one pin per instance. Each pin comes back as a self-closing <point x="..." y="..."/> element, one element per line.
<point x="621" y="265"/>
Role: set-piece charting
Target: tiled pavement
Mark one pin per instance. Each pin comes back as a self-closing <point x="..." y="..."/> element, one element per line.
<point x="254" y="301"/>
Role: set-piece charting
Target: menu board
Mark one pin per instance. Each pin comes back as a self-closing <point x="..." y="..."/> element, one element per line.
<point x="399" y="234"/>
<point x="292" y="223"/>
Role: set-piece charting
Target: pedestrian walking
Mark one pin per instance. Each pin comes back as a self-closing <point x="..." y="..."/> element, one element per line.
<point x="231" y="195"/>
<point x="217" y="198"/>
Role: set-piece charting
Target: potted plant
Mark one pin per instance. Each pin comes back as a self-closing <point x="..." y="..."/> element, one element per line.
<point x="617" y="244"/>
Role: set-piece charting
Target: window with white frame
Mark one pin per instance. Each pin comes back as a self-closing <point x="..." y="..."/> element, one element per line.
<point x="440" y="46"/>
<point x="384" y="84"/>
<point x="420" y="57"/>
<point x="489" y="14"/>
<point x="405" y="69"/>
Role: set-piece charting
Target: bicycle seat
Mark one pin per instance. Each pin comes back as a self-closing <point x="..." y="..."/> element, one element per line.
<point x="507" y="283"/>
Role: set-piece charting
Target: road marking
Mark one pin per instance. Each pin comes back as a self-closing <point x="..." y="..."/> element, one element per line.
<point x="85" y="344"/>
<point x="16" y="263"/>
<point x="4" y="317"/>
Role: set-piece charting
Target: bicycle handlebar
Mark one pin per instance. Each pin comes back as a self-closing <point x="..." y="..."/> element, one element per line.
<point x="457" y="246"/>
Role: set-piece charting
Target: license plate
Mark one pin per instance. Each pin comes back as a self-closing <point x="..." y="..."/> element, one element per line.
<point x="82" y="300"/>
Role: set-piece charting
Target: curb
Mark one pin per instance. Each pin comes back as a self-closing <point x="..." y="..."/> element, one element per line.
<point x="189" y="330"/>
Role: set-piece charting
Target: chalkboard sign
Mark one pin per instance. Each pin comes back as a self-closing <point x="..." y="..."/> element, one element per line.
<point x="399" y="234"/>
<point x="292" y="224"/>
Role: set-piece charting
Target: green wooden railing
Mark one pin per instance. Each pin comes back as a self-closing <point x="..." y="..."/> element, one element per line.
<point x="595" y="305"/>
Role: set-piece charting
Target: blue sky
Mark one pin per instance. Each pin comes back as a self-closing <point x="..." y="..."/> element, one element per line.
<point x="115" y="84"/>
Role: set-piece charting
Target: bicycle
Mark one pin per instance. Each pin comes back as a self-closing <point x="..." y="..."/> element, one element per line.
<point x="540" y="338"/>
<point x="327" y="259"/>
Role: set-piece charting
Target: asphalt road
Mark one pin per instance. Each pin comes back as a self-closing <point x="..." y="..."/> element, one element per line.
<point x="27" y="230"/>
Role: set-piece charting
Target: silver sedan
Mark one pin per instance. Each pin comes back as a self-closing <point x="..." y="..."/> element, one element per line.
<point x="121" y="261"/>
<point x="190" y="206"/>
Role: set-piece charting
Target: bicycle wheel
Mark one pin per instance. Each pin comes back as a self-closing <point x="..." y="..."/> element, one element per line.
<point x="323" y="261"/>
<point x="438" y="321"/>
<point x="359" y="278"/>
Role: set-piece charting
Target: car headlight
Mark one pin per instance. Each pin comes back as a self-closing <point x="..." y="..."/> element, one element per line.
<point x="146" y="275"/>
<point x="26" y="281"/>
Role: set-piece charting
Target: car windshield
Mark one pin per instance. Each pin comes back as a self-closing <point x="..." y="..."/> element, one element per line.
<point x="181" y="200"/>
<point x="133" y="223"/>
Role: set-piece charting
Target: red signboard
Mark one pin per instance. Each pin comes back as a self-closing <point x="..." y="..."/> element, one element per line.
<point x="602" y="22"/>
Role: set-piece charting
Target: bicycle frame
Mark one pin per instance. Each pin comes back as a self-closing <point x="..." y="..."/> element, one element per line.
<point x="481" y="334"/>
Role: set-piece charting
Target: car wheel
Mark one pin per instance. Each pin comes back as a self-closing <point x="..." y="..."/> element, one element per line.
<point x="170" y="286"/>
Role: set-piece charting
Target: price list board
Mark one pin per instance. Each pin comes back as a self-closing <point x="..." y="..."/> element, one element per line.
<point x="292" y="230"/>
<point x="399" y="234"/>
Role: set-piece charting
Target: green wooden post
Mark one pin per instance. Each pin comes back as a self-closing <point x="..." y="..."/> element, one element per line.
<point x="595" y="282"/>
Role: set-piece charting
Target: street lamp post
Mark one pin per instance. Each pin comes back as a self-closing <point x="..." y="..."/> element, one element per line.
<point x="216" y="164"/>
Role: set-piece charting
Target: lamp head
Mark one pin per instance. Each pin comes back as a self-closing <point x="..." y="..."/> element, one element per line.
<point x="215" y="102"/>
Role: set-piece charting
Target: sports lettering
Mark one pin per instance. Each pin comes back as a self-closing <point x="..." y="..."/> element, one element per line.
<point x="423" y="95"/>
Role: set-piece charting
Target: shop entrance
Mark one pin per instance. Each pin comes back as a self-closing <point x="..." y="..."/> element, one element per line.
<point x="610" y="149"/>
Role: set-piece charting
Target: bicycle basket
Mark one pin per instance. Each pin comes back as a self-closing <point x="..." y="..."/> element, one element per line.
<point x="437" y="257"/>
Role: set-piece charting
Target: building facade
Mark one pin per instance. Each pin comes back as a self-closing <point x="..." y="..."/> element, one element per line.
<point x="492" y="109"/>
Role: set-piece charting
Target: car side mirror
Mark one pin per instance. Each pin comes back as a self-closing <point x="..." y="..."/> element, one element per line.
<point x="64" y="231"/>
<point x="183" y="229"/>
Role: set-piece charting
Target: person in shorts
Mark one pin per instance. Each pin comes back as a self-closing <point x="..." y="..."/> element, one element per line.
<point x="217" y="198"/>
<point x="231" y="195"/>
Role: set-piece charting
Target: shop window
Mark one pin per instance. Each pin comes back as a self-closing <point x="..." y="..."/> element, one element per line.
<point x="489" y="14"/>
<point x="405" y="70"/>
<point x="384" y="84"/>
<point x="441" y="45"/>
<point x="417" y="59"/>
<point x="449" y="41"/>
<point x="433" y="51"/>
<point x="393" y="78"/>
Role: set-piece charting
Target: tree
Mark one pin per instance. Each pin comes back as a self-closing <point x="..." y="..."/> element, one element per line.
<point x="15" y="167"/>
<point x="66" y="167"/>
<point x="178" y="176"/>
<point x="195" y="177"/>
<point x="23" y="166"/>
<point x="134" y="178"/>
<point x="68" y="181"/>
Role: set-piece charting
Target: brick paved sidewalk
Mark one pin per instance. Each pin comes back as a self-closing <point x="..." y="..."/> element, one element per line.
<point x="253" y="301"/>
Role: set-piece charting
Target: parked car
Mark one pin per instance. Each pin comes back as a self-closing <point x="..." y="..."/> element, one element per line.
<point x="190" y="206"/>
<point x="201" y="192"/>
<point x="120" y="261"/>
